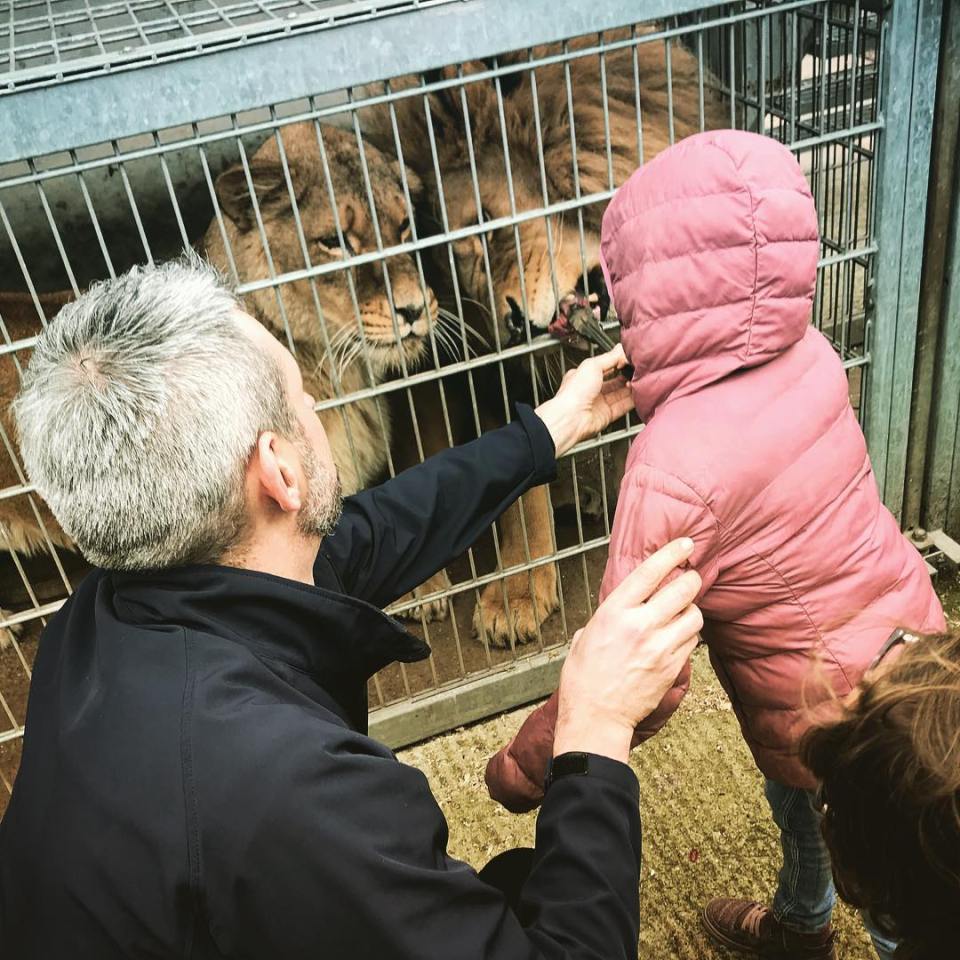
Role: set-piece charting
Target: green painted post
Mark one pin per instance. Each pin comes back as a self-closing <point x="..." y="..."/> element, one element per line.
<point x="911" y="41"/>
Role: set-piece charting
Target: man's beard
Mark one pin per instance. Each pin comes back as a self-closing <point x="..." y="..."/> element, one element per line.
<point x="323" y="502"/>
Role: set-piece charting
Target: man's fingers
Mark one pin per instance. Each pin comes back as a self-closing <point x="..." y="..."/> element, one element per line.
<point x="613" y="359"/>
<point x="670" y="600"/>
<point x="683" y="633"/>
<point x="615" y="388"/>
<point x="618" y="401"/>
<point x="640" y="584"/>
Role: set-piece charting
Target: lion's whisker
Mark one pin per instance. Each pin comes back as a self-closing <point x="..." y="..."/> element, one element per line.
<point x="349" y="355"/>
<point x="460" y="322"/>
<point x="477" y="303"/>
<point x="336" y="342"/>
<point x="446" y="336"/>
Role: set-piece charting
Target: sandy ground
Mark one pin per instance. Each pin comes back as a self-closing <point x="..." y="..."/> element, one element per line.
<point x="706" y="825"/>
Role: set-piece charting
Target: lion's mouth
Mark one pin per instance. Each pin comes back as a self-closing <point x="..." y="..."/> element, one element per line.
<point x="597" y="301"/>
<point x="591" y="298"/>
<point x="580" y="314"/>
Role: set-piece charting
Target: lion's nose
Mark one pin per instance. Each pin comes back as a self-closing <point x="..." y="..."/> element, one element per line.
<point x="411" y="313"/>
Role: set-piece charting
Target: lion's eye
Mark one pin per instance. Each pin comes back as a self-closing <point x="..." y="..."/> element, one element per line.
<point x="485" y="215"/>
<point x="332" y="245"/>
<point x="405" y="231"/>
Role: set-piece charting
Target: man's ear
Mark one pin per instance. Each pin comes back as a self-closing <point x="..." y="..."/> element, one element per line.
<point x="276" y="472"/>
<point x="269" y="186"/>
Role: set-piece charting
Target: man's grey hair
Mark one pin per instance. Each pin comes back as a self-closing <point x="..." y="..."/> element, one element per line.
<point x="138" y="414"/>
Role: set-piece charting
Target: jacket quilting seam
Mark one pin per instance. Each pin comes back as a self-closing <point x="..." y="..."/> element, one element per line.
<point x="756" y="243"/>
<point x="722" y="531"/>
<point x="670" y="201"/>
<point x="717" y="248"/>
<point x="698" y="500"/>
<point x="772" y="298"/>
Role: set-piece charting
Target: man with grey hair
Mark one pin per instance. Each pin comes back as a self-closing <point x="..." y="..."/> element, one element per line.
<point x="196" y="777"/>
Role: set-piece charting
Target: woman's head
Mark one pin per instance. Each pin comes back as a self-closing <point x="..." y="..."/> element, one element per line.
<point x="890" y="774"/>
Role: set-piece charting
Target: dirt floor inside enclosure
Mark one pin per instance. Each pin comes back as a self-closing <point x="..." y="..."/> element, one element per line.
<point x="706" y="826"/>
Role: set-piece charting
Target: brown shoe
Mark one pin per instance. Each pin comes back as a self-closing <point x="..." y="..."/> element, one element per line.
<point x="750" y="927"/>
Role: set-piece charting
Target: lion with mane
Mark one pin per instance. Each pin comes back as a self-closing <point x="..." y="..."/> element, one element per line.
<point x="514" y="134"/>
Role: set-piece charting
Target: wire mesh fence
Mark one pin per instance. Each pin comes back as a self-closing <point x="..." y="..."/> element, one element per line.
<point x="45" y="40"/>
<point x="411" y="241"/>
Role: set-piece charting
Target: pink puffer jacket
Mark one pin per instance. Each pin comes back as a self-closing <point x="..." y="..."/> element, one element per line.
<point x="751" y="447"/>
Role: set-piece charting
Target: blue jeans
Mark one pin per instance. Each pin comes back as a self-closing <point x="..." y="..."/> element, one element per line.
<point x="805" y="894"/>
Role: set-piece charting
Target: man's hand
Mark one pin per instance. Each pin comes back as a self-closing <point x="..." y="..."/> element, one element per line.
<point x="587" y="401"/>
<point x="626" y="658"/>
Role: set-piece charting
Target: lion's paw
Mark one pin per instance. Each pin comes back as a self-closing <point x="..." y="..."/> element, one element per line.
<point x="432" y="610"/>
<point x="8" y="634"/>
<point x="519" y="619"/>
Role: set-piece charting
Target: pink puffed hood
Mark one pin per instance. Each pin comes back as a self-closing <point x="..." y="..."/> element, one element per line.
<point x="750" y="447"/>
<point x="712" y="270"/>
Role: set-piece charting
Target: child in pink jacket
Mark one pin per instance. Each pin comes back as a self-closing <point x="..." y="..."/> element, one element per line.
<point x="752" y="449"/>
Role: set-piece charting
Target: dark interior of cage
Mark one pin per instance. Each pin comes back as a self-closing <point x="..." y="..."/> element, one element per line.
<point x="358" y="225"/>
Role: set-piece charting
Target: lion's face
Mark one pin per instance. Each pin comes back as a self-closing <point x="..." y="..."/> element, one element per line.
<point x="533" y="272"/>
<point x="552" y="265"/>
<point x="344" y="315"/>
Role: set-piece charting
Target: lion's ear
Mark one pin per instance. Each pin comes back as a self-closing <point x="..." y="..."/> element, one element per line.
<point x="269" y="184"/>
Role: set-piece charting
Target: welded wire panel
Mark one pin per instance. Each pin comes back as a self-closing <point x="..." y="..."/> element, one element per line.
<point x="42" y="39"/>
<point x="411" y="241"/>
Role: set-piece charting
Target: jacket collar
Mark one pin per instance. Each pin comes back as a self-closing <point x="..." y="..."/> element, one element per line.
<point x="315" y="629"/>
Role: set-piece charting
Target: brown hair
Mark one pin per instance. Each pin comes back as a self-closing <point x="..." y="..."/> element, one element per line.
<point x="890" y="774"/>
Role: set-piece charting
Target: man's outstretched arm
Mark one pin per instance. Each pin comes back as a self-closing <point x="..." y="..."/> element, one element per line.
<point x="393" y="537"/>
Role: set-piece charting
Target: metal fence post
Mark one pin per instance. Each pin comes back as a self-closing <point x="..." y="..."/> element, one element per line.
<point x="910" y="45"/>
<point x="941" y="507"/>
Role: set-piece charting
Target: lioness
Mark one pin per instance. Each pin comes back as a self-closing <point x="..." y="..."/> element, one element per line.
<point x="340" y="323"/>
<point x="355" y="344"/>
<point x="526" y="276"/>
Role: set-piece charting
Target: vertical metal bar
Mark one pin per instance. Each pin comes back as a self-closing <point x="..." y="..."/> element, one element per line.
<point x="942" y="495"/>
<point x="931" y="456"/>
<point x="48" y="213"/>
<point x="20" y="261"/>
<point x="93" y="218"/>
<point x="495" y="320"/>
<point x="518" y="251"/>
<point x="912" y="37"/>
<point x="217" y="212"/>
<point x="636" y="93"/>
<point x="731" y="31"/>
<point x="700" y="96"/>
<point x="763" y="26"/>
<point x="351" y="286"/>
<point x="264" y="243"/>
<point x="792" y="53"/>
<point x="669" y="67"/>
<point x="134" y="209"/>
<point x="848" y="240"/>
<point x="605" y="101"/>
<point x="165" y="170"/>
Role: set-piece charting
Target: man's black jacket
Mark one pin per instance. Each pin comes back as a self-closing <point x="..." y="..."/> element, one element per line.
<point x="196" y="779"/>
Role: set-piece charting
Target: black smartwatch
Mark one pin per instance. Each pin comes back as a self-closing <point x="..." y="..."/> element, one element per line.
<point x="567" y="765"/>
